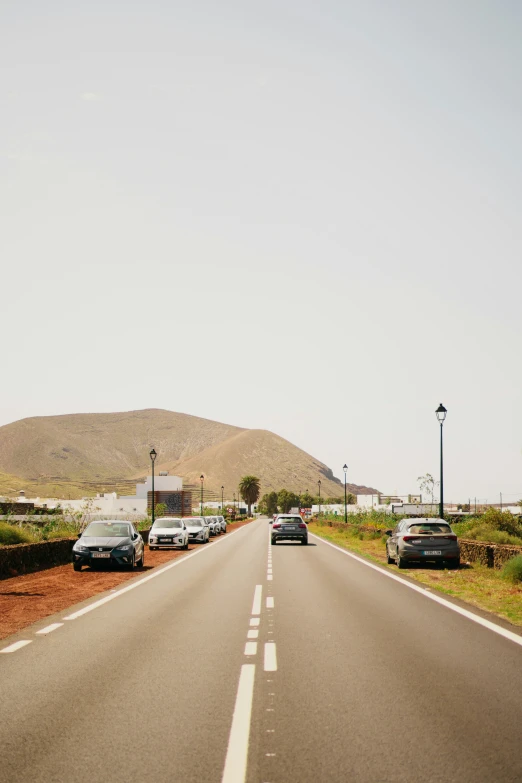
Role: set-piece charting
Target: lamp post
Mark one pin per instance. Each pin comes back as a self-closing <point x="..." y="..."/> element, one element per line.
<point x="234" y="504"/>
<point x="319" y="487"/>
<point x="153" y="456"/>
<point x="441" y="416"/>
<point x="201" y="478"/>
<point x="222" y="490"/>
<point x="345" y="468"/>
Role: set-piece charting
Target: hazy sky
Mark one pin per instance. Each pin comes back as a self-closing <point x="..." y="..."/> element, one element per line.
<point x="297" y="216"/>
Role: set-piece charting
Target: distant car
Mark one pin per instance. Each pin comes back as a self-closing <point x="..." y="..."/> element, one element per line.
<point x="289" y="527"/>
<point x="274" y="517"/>
<point x="113" y="542"/>
<point x="168" y="532"/>
<point x="223" y="522"/>
<point x="214" y="526"/>
<point x="422" y="540"/>
<point x="198" y="529"/>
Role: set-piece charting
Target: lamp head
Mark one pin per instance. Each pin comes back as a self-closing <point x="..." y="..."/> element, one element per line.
<point x="441" y="413"/>
<point x="345" y="467"/>
<point x="201" y="478"/>
<point x="153" y="455"/>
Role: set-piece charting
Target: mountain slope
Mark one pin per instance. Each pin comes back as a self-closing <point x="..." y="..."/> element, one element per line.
<point x="103" y="445"/>
<point x="84" y="453"/>
<point x="276" y="461"/>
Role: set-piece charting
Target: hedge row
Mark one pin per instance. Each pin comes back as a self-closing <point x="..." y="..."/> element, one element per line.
<point x="490" y="555"/>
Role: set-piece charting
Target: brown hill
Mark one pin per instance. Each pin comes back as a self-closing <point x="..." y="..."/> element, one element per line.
<point x="276" y="461"/>
<point x="80" y="454"/>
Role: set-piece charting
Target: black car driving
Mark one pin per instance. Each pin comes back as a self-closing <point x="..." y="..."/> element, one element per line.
<point x="112" y="541"/>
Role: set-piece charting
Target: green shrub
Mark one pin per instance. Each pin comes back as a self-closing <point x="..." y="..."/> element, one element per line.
<point x="485" y="532"/>
<point x="12" y="534"/>
<point x="502" y="520"/>
<point x="512" y="571"/>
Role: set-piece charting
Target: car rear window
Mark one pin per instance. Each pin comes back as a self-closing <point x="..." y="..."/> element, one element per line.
<point x="429" y="527"/>
<point x="290" y="520"/>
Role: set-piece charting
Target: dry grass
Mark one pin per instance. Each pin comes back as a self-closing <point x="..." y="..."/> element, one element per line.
<point x="483" y="587"/>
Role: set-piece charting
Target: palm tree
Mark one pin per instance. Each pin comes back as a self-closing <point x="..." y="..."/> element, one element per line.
<point x="250" y="491"/>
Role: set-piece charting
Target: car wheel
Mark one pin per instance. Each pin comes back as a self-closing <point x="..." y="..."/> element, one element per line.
<point x="131" y="565"/>
<point x="77" y="566"/>
<point x="274" y="542"/>
<point x="401" y="562"/>
<point x="304" y="541"/>
<point x="152" y="548"/>
<point x="185" y="545"/>
<point x="389" y="559"/>
<point x="141" y="562"/>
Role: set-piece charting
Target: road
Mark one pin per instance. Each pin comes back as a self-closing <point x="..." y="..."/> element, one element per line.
<point x="245" y="662"/>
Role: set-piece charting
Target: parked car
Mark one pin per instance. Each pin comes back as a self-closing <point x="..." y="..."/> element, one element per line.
<point x="223" y="523"/>
<point x="113" y="542"/>
<point x="198" y="529"/>
<point x="289" y="527"/>
<point x="168" y="532"/>
<point x="214" y="526"/>
<point x="421" y="541"/>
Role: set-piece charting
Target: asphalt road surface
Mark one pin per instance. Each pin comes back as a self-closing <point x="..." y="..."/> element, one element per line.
<point x="245" y="662"/>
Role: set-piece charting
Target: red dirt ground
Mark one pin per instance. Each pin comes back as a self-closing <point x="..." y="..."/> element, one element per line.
<point x="26" y="599"/>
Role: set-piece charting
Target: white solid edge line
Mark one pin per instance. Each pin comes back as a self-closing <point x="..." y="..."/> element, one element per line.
<point x="269" y="603"/>
<point x="16" y="646"/>
<point x="270" y="657"/>
<point x="256" y="605"/>
<point x="49" y="628"/>
<point x="237" y="753"/>
<point x="154" y="574"/>
<point x="513" y="637"/>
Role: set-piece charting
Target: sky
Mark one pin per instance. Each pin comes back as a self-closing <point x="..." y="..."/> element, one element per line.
<point x="294" y="216"/>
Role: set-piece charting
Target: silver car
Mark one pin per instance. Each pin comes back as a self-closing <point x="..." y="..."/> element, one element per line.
<point x="421" y="541"/>
<point x="198" y="529"/>
<point x="167" y="532"/>
<point x="214" y="526"/>
<point x="223" y="522"/>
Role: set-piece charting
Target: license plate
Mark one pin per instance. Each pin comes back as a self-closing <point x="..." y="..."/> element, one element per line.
<point x="432" y="552"/>
<point x="165" y="540"/>
<point x="290" y="527"/>
<point x="101" y="554"/>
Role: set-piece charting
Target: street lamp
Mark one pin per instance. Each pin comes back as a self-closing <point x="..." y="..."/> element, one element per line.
<point x="222" y="490"/>
<point x="153" y="456"/>
<point x="319" y="485"/>
<point x="201" y="478"/>
<point x="345" y="468"/>
<point x="441" y="416"/>
<point x="234" y="504"/>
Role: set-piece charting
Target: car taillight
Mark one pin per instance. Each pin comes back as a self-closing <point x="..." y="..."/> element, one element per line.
<point x="276" y="524"/>
<point x="302" y="524"/>
<point x="409" y="538"/>
<point x="451" y="538"/>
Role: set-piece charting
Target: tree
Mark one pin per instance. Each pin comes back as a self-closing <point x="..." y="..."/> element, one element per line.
<point x="427" y="485"/>
<point x="306" y="500"/>
<point x="268" y="504"/>
<point x="286" y="500"/>
<point x="250" y="491"/>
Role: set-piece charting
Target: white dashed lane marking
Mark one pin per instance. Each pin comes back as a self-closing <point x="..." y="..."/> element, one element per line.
<point x="269" y="603"/>
<point x="251" y="648"/>
<point x="49" y="629"/>
<point x="270" y="657"/>
<point x="256" y="606"/>
<point x="16" y="646"/>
